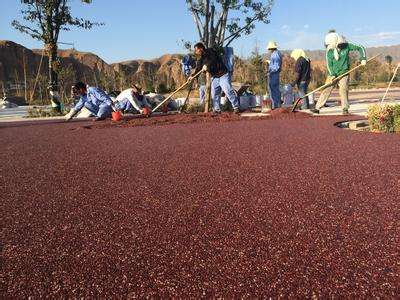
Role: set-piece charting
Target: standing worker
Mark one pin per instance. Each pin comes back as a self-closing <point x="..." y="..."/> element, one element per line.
<point x="338" y="62"/>
<point x="303" y="75"/>
<point x="93" y="99"/>
<point x="210" y="61"/>
<point x="274" y="70"/>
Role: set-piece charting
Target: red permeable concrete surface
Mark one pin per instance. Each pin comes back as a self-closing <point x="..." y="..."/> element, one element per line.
<point x="292" y="207"/>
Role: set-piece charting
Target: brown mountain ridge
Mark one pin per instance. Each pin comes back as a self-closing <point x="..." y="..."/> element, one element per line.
<point x="87" y="66"/>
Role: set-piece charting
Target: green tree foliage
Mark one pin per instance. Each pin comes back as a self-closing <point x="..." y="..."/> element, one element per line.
<point x="43" y="21"/>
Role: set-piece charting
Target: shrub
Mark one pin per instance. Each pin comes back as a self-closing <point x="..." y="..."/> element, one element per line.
<point x="41" y="112"/>
<point x="397" y="118"/>
<point x="384" y="118"/>
<point x="195" y="107"/>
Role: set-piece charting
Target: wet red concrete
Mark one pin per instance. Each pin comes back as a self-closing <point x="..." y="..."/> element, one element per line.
<point x="289" y="207"/>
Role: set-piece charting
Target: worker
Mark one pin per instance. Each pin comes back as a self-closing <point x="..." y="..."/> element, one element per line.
<point x="132" y="98"/>
<point x="274" y="70"/>
<point x="93" y="99"/>
<point x="188" y="63"/>
<point x="303" y="75"/>
<point x="338" y="62"/>
<point x="209" y="60"/>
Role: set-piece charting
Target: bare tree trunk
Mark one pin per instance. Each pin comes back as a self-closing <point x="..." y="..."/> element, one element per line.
<point x="212" y="29"/>
<point x="25" y="84"/>
<point x="207" y="103"/>
<point x="4" y="90"/>
<point x="16" y="81"/>
<point x="41" y="94"/>
<point x="53" y="77"/>
<point x="37" y="76"/>
<point x="206" y="31"/>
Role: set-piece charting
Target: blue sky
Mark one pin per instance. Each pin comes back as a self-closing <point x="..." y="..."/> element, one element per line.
<point x="150" y="28"/>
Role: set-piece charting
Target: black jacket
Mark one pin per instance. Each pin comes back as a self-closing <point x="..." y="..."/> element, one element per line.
<point x="213" y="61"/>
<point x="303" y="71"/>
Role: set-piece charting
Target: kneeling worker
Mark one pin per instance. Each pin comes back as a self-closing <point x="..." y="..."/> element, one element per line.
<point x="210" y="61"/>
<point x="132" y="99"/>
<point x="93" y="99"/>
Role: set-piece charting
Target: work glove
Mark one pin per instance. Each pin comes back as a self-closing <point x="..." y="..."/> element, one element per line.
<point x="330" y="79"/>
<point x="268" y="61"/>
<point x="205" y="68"/>
<point x="363" y="62"/>
<point x="70" y="115"/>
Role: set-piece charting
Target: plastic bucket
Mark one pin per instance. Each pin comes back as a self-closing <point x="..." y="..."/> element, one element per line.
<point x="146" y="111"/>
<point x="116" y="116"/>
<point x="266" y="105"/>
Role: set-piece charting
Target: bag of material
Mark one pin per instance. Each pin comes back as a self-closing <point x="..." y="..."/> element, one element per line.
<point x="288" y="95"/>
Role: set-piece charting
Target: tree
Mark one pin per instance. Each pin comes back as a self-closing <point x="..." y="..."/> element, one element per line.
<point x="215" y="26"/>
<point x="45" y="19"/>
<point x="257" y="67"/>
<point x="212" y="19"/>
<point x="389" y="61"/>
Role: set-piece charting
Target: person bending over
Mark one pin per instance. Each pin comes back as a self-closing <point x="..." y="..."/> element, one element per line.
<point x="209" y="60"/>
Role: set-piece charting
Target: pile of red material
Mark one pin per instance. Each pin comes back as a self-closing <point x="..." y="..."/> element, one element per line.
<point x="161" y="120"/>
<point x="293" y="208"/>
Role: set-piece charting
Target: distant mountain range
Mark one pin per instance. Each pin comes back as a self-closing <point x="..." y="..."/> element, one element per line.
<point x="90" y="67"/>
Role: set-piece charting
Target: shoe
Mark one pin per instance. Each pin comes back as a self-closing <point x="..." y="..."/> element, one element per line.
<point x="99" y="119"/>
<point x="216" y="112"/>
<point x="314" y="111"/>
<point x="345" y="112"/>
<point x="237" y="110"/>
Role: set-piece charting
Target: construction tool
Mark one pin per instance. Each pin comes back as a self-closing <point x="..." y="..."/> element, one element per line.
<point x="183" y="107"/>
<point x="334" y="81"/>
<point x="177" y="90"/>
<point x="391" y="81"/>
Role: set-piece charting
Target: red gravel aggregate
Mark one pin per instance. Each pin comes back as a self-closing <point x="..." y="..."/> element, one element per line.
<point x="281" y="207"/>
<point x="198" y="118"/>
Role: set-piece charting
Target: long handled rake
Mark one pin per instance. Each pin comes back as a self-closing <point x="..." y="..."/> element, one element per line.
<point x="177" y="90"/>
<point x="183" y="107"/>
<point x="391" y="81"/>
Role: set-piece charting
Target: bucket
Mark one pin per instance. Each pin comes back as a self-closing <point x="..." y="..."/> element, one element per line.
<point x="266" y="105"/>
<point x="258" y="100"/>
<point x="146" y="111"/>
<point x="116" y="116"/>
<point x="244" y="102"/>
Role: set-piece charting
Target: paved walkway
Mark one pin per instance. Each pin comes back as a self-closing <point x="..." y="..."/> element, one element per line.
<point x="293" y="208"/>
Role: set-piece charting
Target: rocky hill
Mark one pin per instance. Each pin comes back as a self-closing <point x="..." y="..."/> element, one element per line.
<point x="89" y="67"/>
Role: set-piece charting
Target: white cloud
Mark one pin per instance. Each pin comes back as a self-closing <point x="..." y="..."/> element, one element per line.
<point x="306" y="26"/>
<point x="379" y="38"/>
<point x="304" y="40"/>
<point x="285" y="27"/>
<point x="363" y="29"/>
